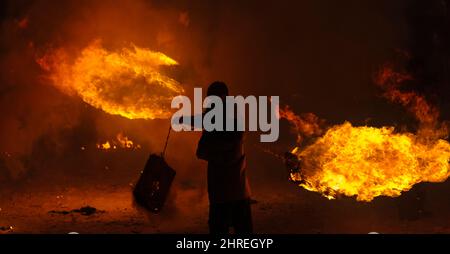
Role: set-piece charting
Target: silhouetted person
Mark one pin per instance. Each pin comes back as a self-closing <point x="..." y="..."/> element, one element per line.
<point x="228" y="189"/>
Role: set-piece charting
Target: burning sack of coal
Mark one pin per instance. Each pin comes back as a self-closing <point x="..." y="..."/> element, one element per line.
<point x="154" y="183"/>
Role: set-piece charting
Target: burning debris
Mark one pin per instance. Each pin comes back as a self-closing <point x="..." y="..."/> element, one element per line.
<point x="126" y="82"/>
<point x="367" y="162"/>
<point x="85" y="211"/>
<point x="121" y="141"/>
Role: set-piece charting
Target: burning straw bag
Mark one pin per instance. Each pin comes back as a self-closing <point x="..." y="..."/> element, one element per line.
<point x="154" y="183"/>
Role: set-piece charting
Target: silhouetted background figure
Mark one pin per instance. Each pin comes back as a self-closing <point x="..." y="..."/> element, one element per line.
<point x="228" y="189"/>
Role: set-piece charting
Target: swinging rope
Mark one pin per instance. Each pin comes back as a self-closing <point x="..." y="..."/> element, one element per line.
<point x="167" y="141"/>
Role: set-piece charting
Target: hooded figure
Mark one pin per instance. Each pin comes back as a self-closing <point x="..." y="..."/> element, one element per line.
<point x="228" y="188"/>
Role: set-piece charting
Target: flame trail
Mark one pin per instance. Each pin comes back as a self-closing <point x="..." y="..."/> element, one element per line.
<point x="126" y="82"/>
<point x="305" y="125"/>
<point x="366" y="162"/>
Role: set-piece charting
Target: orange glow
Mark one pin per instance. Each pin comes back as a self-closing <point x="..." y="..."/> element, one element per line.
<point x="23" y="23"/>
<point x="126" y="82"/>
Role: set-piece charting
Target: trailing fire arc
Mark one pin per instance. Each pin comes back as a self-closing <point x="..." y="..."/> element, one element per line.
<point x="128" y="82"/>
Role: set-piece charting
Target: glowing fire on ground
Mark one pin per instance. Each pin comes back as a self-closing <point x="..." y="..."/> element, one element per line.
<point x="127" y="82"/>
<point x="121" y="141"/>
<point x="366" y="162"/>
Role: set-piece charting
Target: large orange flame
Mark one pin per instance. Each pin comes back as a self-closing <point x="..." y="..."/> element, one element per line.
<point x="366" y="162"/>
<point x="126" y="82"/>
